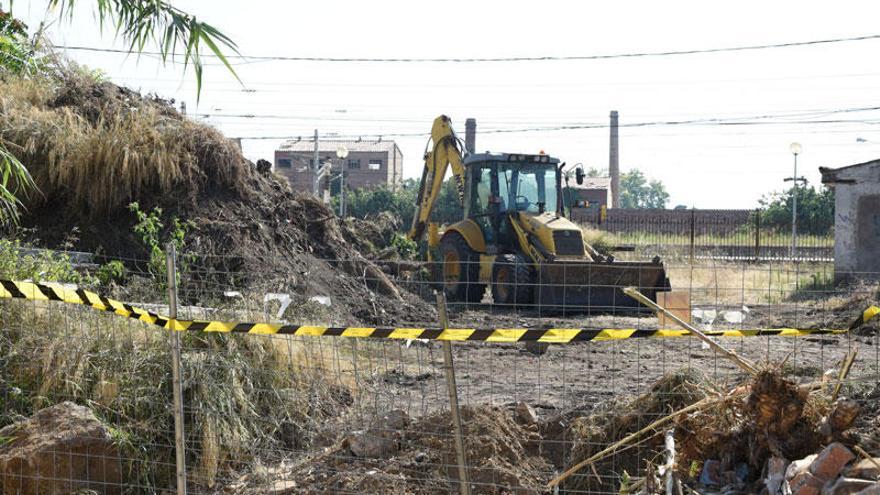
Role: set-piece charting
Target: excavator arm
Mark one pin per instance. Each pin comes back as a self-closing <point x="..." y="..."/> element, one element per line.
<point x="445" y="152"/>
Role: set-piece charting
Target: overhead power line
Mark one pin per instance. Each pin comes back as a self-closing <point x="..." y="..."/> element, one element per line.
<point x="712" y="120"/>
<point x="590" y="126"/>
<point x="544" y="58"/>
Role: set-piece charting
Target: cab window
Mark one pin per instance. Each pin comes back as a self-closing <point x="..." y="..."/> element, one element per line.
<point x="481" y="190"/>
<point x="529" y="186"/>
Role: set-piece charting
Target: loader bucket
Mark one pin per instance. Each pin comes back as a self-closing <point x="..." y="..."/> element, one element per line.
<point x="575" y="286"/>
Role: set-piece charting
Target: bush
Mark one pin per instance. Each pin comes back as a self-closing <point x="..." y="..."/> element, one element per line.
<point x="363" y="203"/>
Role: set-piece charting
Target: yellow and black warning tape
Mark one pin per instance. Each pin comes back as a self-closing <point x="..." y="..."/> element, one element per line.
<point x="865" y="317"/>
<point x="57" y="292"/>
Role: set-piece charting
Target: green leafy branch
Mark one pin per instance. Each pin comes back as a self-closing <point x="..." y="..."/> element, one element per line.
<point x="170" y="30"/>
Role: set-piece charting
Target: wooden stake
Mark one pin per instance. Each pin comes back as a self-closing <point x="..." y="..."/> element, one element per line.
<point x="696" y="406"/>
<point x="866" y="455"/>
<point x="844" y="372"/>
<point x="742" y="363"/>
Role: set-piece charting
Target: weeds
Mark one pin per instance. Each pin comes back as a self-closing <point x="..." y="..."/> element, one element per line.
<point x="149" y="227"/>
<point x="17" y="262"/>
<point x="236" y="410"/>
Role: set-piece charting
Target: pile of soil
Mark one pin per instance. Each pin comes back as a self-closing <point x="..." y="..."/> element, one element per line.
<point x="421" y="460"/>
<point x="248" y="228"/>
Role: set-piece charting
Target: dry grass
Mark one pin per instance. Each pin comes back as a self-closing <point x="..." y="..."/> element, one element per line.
<point x="103" y="146"/>
<point x="738" y="284"/>
<point x="245" y="398"/>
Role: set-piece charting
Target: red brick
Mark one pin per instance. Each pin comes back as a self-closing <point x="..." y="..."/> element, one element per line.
<point x="806" y="484"/>
<point x="831" y="461"/>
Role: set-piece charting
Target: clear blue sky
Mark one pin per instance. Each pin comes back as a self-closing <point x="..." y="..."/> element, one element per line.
<point x="704" y="166"/>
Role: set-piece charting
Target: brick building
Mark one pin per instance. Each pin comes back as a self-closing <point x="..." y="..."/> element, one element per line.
<point x="856" y="220"/>
<point x="369" y="163"/>
<point x="595" y="190"/>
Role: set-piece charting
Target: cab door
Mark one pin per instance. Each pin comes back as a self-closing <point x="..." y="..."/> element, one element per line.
<point x="483" y="207"/>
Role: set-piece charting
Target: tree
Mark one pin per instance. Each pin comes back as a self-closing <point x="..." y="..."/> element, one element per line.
<point x="815" y="210"/>
<point x="637" y="192"/>
<point x="595" y="172"/>
<point x="139" y="23"/>
<point x="363" y="203"/>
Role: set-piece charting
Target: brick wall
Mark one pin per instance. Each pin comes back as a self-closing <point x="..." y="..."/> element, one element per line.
<point x="666" y="221"/>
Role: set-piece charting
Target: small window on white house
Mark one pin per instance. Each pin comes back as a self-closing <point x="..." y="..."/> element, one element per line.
<point x="284" y="163"/>
<point x="375" y="165"/>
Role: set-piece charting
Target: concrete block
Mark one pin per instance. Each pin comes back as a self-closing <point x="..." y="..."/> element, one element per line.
<point x="866" y="469"/>
<point x="799" y="466"/>
<point x="846" y="486"/>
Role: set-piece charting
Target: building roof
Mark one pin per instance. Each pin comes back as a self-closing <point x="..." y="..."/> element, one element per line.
<point x="330" y="145"/>
<point x="840" y="174"/>
<point x="508" y="157"/>
<point x="591" y="183"/>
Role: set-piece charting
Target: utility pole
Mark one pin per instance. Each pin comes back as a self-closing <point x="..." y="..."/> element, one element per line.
<point x="795" y="150"/>
<point x="613" y="162"/>
<point x="470" y="135"/>
<point x="316" y="165"/>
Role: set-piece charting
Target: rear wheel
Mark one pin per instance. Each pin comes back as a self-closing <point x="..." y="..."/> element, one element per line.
<point x="512" y="281"/>
<point x="460" y="270"/>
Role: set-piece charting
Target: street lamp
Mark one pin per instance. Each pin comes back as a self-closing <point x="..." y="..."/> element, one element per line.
<point x="795" y="150"/>
<point x="342" y="154"/>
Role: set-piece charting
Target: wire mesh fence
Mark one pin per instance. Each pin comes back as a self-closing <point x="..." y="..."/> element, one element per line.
<point x="292" y="412"/>
<point x="717" y="234"/>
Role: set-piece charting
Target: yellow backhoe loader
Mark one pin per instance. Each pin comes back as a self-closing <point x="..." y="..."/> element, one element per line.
<point x="514" y="236"/>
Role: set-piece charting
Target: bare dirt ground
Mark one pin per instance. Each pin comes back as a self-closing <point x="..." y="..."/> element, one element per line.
<point x="583" y="396"/>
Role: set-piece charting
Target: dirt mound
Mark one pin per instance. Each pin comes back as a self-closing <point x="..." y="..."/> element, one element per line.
<point x="61" y="449"/>
<point x="421" y="459"/>
<point x="94" y="147"/>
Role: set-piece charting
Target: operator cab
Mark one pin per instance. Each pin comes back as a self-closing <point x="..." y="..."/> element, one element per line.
<point x="499" y="184"/>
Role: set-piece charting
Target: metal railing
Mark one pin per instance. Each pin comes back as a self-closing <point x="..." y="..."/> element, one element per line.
<point x="717" y="234"/>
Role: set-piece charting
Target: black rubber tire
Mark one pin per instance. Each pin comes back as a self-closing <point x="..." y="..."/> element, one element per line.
<point x="513" y="281"/>
<point x="464" y="285"/>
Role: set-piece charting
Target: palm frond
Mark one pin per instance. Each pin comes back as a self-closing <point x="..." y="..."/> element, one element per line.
<point x="142" y="23"/>
<point x="14" y="179"/>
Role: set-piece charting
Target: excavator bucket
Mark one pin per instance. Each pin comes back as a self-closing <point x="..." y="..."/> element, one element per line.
<point x="577" y="286"/>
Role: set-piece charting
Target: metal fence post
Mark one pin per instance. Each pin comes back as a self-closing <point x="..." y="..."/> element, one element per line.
<point x="757" y="234"/>
<point x="448" y="367"/>
<point x="177" y="387"/>
<point x="693" y="233"/>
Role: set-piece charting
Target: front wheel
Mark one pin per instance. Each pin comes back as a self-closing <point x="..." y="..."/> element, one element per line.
<point x="460" y="270"/>
<point x="513" y="281"/>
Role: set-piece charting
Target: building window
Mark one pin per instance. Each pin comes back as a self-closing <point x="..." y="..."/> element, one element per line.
<point x="375" y="164"/>
<point x="354" y="164"/>
<point x="285" y="163"/>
